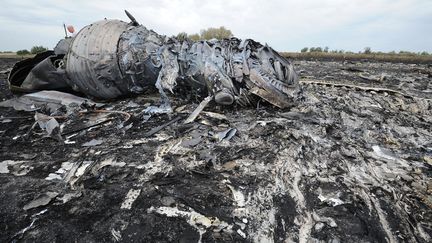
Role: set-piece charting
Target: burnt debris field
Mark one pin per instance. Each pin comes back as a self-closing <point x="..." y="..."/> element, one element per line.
<point x="349" y="162"/>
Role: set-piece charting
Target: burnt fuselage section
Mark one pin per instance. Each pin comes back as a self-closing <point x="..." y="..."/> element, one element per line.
<point x="112" y="58"/>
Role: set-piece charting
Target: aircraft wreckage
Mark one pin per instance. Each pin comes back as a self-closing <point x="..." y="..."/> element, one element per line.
<point x="112" y="58"/>
<point x="351" y="162"/>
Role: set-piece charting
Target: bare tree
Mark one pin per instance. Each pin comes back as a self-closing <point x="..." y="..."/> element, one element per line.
<point x="217" y="33"/>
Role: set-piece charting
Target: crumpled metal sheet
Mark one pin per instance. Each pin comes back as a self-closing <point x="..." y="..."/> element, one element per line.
<point x="49" y="99"/>
<point x="63" y="46"/>
<point x="22" y="69"/>
<point x="47" y="75"/>
<point x="45" y="71"/>
<point x="47" y="123"/>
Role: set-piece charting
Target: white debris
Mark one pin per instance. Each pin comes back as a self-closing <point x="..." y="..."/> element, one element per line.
<point x="41" y="200"/>
<point x="4" y="167"/>
<point x="81" y="170"/>
<point x="69" y="142"/>
<point x="15" y="167"/>
<point x="241" y="233"/>
<point x="331" y="200"/>
<point x="327" y="220"/>
<point x="131" y="196"/>
<point x="68" y="196"/>
<point x="66" y="166"/>
<point x="200" y="222"/>
<point x="47" y="123"/>
<point x="53" y="176"/>
<point x="35" y="218"/>
<point x="383" y="153"/>
<point x="318" y="226"/>
<point x="60" y="173"/>
<point x="93" y="142"/>
<point x="198" y="110"/>
<point x="116" y="235"/>
<point x="108" y="162"/>
<point x="226" y="134"/>
<point x="239" y="197"/>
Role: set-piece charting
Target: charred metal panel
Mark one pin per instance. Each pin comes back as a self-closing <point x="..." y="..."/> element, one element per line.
<point x="62" y="46"/>
<point x="21" y="69"/>
<point x="49" y="74"/>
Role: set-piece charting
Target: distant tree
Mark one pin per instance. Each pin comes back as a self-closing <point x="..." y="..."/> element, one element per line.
<point x="367" y="50"/>
<point x="326" y="49"/>
<point x="305" y="49"/>
<point x="312" y="49"/>
<point x="22" y="52"/>
<point x="407" y="53"/>
<point x="218" y="33"/>
<point x="424" y="53"/>
<point x="194" y="37"/>
<point x="38" y="49"/>
<point x="182" y="36"/>
<point x="318" y="49"/>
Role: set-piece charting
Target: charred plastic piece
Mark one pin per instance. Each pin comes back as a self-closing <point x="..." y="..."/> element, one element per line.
<point x="112" y="58"/>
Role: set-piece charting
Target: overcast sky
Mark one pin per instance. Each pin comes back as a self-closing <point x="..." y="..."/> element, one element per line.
<point x="286" y="25"/>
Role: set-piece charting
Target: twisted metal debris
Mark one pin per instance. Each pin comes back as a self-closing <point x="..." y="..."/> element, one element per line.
<point x="112" y="58"/>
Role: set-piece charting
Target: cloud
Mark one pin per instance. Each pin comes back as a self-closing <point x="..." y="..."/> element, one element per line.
<point x="287" y="25"/>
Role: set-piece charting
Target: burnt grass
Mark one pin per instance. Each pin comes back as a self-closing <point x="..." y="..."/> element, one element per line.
<point x="309" y="172"/>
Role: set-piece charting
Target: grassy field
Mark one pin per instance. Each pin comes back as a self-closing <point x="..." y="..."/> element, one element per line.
<point x="326" y="56"/>
<point x="15" y="56"/>
<point x="381" y="57"/>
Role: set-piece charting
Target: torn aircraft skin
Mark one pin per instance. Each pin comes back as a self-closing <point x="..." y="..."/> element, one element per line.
<point x="111" y="58"/>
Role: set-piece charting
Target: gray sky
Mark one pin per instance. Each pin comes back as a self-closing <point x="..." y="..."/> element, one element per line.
<point x="286" y="25"/>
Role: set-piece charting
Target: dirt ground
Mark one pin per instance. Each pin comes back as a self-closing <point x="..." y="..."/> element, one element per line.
<point x="350" y="162"/>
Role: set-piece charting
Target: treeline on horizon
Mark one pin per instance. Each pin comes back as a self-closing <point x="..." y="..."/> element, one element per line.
<point x="34" y="50"/>
<point x="223" y="33"/>
<point x="367" y="50"/>
<point x="38" y="49"/>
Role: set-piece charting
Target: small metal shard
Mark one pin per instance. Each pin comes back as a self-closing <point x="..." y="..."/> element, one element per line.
<point x="159" y="128"/>
<point x="132" y="18"/>
<point x="198" y="110"/>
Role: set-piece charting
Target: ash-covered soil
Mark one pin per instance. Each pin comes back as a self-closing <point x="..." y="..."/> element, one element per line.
<point x="345" y="164"/>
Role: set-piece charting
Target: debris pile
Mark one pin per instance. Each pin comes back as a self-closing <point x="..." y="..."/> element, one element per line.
<point x="111" y="58"/>
<point x="345" y="164"/>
